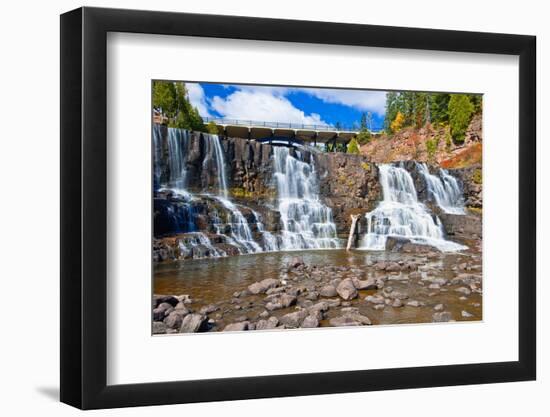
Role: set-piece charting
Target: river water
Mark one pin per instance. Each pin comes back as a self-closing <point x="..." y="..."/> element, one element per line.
<point x="214" y="281"/>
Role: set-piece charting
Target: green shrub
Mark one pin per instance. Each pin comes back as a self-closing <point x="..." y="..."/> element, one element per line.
<point x="363" y="137"/>
<point x="477" y="176"/>
<point x="212" y="128"/>
<point x="448" y="140"/>
<point x="353" y="147"/>
<point x="431" y="147"/>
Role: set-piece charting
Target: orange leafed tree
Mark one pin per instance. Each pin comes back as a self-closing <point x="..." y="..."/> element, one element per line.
<point x="398" y="122"/>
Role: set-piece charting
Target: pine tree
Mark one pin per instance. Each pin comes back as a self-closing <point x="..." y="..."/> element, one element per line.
<point x="460" y="112"/>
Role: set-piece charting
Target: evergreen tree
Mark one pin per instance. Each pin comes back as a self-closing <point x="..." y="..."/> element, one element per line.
<point x="392" y="107"/>
<point x="363" y="121"/>
<point x="439" y="103"/>
<point x="172" y="100"/>
<point x="460" y="112"/>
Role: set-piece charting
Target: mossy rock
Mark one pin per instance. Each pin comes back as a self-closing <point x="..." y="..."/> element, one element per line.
<point x="477" y="176"/>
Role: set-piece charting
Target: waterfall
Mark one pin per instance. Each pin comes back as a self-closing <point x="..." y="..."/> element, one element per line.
<point x="307" y="222"/>
<point x="197" y="239"/>
<point x="214" y="154"/>
<point x="269" y="240"/>
<point x="401" y="214"/>
<point x="444" y="190"/>
<point x="239" y="229"/>
<point x="157" y="156"/>
<point x="178" y="145"/>
<point x="235" y="231"/>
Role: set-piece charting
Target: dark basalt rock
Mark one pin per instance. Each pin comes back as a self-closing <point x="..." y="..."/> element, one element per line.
<point x="402" y="244"/>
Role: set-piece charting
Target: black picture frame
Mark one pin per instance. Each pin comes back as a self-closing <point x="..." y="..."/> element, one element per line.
<point x="84" y="207"/>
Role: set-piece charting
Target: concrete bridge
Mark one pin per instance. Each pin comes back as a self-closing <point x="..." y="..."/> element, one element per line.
<point x="279" y="133"/>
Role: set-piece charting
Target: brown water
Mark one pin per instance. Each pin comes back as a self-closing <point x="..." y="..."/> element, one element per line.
<point x="214" y="281"/>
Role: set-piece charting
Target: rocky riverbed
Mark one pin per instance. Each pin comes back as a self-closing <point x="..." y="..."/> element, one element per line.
<point x="309" y="289"/>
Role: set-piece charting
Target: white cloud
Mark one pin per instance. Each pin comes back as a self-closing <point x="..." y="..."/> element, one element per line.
<point x="260" y="104"/>
<point x="374" y="101"/>
<point x="197" y="98"/>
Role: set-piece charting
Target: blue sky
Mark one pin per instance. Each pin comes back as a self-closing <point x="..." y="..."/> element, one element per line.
<point x="320" y="106"/>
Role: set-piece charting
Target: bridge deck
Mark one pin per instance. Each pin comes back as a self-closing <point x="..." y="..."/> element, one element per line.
<point x="264" y="130"/>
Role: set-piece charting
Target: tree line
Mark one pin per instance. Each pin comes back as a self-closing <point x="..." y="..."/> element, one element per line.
<point x="171" y="100"/>
<point x="404" y="109"/>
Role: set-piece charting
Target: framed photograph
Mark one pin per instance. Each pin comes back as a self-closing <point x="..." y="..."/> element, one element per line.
<point x="258" y="208"/>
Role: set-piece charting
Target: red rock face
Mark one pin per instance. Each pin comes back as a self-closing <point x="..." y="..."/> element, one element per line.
<point x="412" y="144"/>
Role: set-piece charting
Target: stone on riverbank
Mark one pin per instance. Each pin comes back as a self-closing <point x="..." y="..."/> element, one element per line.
<point x="328" y="291"/>
<point x="159" y="327"/>
<point x="293" y="320"/>
<point x="236" y="327"/>
<point x="193" y="323"/>
<point x="268" y="324"/>
<point x="368" y="284"/>
<point x="310" y="322"/>
<point x="346" y="290"/>
<point x="443" y="316"/>
<point x="262" y="286"/>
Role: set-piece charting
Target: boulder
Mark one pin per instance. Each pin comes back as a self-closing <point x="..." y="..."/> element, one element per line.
<point x="464" y="290"/>
<point x="312" y="296"/>
<point x="393" y="267"/>
<point x="293" y="320"/>
<point x="262" y="286"/>
<point x="398" y="295"/>
<point x="236" y="327"/>
<point x="274" y="305"/>
<point x="296" y="262"/>
<point x="374" y="299"/>
<point x="397" y="303"/>
<point x="159" y="327"/>
<point x="442" y="316"/>
<point x="368" y="284"/>
<point x="351" y="319"/>
<point x="402" y="244"/>
<point x="320" y="306"/>
<point x="174" y="319"/>
<point x="288" y="300"/>
<point x="268" y="324"/>
<point x="346" y="290"/>
<point x="159" y="299"/>
<point x="193" y="323"/>
<point x="328" y="291"/>
<point x="310" y="322"/>
<point x="209" y="309"/>
<point x="162" y="311"/>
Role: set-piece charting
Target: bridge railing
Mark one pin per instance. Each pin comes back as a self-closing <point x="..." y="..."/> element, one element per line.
<point x="278" y="125"/>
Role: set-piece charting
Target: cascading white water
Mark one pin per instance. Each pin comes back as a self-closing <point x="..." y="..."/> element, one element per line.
<point x="157" y="156"/>
<point x="214" y="153"/>
<point x="240" y="230"/>
<point x="195" y="239"/>
<point x="270" y="241"/>
<point x="178" y="144"/>
<point x="444" y="190"/>
<point x="307" y="222"/>
<point x="401" y="214"/>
